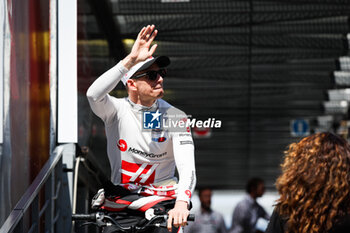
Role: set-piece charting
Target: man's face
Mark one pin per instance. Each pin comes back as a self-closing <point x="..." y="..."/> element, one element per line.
<point x="149" y="89"/>
<point x="205" y="199"/>
<point x="260" y="189"/>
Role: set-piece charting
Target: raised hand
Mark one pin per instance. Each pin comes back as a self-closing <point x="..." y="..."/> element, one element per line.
<point x="141" y="50"/>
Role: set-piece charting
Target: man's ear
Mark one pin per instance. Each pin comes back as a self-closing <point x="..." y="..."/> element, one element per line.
<point x="131" y="84"/>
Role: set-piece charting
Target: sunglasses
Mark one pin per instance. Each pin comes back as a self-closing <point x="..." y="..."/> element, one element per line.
<point x="152" y="75"/>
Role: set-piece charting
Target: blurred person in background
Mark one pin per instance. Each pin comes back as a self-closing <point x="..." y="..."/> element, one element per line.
<point x="207" y="220"/>
<point x="248" y="216"/>
<point x="314" y="187"/>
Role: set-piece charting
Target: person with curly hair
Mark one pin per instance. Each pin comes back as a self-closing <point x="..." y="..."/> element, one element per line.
<point x="314" y="187"/>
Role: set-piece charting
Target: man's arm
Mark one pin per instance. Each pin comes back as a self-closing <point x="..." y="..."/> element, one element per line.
<point x="240" y="218"/>
<point x="184" y="158"/>
<point x="97" y="93"/>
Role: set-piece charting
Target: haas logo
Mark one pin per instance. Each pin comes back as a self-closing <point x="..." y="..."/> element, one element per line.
<point x="121" y="144"/>
<point x="138" y="173"/>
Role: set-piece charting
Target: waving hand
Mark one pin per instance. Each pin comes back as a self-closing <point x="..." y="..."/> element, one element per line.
<point x="141" y="50"/>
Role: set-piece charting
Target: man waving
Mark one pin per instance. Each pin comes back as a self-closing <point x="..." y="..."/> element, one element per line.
<point x="146" y="136"/>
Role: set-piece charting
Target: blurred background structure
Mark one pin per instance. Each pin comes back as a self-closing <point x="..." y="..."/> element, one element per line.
<point x="261" y="67"/>
<point x="271" y="71"/>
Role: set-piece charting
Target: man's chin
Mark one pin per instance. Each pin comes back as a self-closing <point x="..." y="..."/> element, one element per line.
<point x="206" y="208"/>
<point x="160" y="94"/>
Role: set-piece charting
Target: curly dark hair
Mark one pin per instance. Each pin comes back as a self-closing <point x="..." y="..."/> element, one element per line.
<point x="315" y="183"/>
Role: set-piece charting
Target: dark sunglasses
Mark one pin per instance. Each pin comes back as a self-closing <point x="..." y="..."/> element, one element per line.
<point x="152" y="75"/>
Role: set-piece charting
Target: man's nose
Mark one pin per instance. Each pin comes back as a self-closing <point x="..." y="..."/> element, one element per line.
<point x="159" y="78"/>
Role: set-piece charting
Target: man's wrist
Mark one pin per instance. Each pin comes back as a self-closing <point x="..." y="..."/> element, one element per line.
<point x="181" y="203"/>
<point x="129" y="61"/>
<point x="183" y="197"/>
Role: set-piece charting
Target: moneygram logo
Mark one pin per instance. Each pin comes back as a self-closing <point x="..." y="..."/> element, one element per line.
<point x="174" y="122"/>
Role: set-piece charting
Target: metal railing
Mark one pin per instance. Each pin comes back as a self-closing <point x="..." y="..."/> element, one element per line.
<point x="45" y="206"/>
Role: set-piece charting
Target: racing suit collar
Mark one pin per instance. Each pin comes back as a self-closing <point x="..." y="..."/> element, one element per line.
<point x="139" y="107"/>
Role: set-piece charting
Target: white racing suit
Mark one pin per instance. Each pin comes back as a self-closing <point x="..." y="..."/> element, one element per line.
<point x="143" y="156"/>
